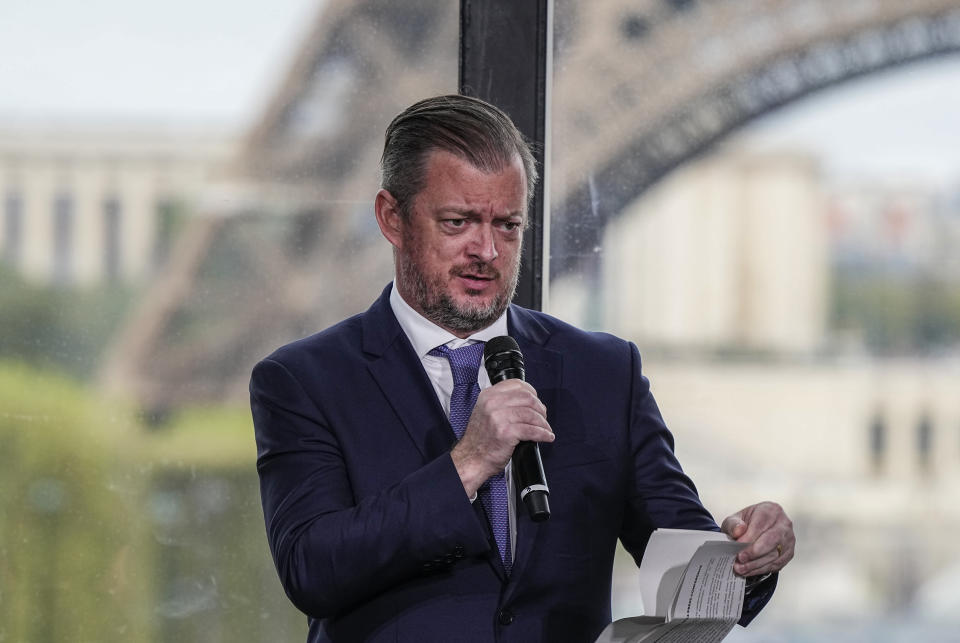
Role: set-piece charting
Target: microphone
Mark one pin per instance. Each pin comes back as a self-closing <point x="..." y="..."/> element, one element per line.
<point x="503" y="361"/>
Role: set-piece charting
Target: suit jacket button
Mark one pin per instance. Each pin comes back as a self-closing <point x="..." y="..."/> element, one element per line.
<point x="505" y="617"/>
<point x="459" y="552"/>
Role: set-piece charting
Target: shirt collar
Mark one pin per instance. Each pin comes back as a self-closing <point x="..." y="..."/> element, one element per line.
<point x="425" y="335"/>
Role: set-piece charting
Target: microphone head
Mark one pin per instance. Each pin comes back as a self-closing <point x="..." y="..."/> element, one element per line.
<point x="503" y="359"/>
<point x="500" y="344"/>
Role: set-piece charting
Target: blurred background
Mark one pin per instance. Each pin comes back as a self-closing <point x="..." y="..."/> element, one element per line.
<point x="764" y="195"/>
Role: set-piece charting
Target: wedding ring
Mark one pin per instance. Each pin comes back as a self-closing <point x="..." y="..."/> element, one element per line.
<point x="779" y="550"/>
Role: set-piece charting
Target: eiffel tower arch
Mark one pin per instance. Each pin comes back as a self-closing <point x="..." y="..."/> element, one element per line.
<point x="639" y="88"/>
<point x="643" y="87"/>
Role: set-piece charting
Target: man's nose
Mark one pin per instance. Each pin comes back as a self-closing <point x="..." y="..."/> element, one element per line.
<point x="483" y="245"/>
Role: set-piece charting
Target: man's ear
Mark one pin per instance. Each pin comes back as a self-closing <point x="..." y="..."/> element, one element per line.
<point x="389" y="218"/>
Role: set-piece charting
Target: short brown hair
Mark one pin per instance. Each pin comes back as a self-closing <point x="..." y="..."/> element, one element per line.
<point x="470" y="128"/>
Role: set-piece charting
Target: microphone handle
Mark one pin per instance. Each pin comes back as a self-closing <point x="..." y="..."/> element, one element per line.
<point x="528" y="473"/>
<point x="503" y="361"/>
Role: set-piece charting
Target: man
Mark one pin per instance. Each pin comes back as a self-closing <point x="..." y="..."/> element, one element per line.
<point x="388" y="501"/>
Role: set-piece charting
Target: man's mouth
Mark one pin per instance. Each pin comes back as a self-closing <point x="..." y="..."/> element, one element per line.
<point x="477" y="271"/>
<point x="477" y="278"/>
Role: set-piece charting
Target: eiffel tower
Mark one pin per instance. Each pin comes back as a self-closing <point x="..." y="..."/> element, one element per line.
<point x="640" y="87"/>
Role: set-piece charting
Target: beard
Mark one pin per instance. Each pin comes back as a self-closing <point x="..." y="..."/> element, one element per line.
<point x="430" y="296"/>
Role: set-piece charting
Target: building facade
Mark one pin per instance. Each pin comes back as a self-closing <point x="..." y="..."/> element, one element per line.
<point x="90" y="205"/>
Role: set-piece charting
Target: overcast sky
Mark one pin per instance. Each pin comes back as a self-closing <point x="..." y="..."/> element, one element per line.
<point x="182" y="60"/>
<point x="218" y="61"/>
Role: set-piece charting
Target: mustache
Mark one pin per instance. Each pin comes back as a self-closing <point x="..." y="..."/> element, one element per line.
<point x="476" y="269"/>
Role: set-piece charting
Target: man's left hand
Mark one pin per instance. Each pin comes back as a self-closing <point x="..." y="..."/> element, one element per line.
<point x="770" y="531"/>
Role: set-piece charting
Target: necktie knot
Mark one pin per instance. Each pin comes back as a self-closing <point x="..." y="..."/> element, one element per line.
<point x="464" y="361"/>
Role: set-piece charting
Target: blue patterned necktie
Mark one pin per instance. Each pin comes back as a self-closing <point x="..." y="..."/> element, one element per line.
<point x="465" y="365"/>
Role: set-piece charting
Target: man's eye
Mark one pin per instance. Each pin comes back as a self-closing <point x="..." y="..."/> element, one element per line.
<point x="510" y="226"/>
<point x="456" y="223"/>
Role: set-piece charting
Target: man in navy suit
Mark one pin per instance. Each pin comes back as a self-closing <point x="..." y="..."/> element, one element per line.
<point x="384" y="524"/>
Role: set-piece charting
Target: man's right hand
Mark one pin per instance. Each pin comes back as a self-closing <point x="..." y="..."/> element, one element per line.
<point x="505" y="414"/>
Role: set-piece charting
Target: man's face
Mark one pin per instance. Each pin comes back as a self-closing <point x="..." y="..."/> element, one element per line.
<point x="458" y="255"/>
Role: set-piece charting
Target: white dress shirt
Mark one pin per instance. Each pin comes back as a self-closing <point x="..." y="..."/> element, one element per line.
<point x="424" y="335"/>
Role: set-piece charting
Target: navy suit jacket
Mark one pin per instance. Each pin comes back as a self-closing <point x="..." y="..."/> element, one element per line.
<point x="368" y="523"/>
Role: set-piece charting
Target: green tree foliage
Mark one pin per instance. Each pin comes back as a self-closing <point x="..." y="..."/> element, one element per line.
<point x="69" y="567"/>
<point x="64" y="329"/>
<point x="113" y="532"/>
<point x="897" y="314"/>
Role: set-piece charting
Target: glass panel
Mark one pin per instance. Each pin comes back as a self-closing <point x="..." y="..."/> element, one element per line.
<point x="764" y="197"/>
<point x="187" y="186"/>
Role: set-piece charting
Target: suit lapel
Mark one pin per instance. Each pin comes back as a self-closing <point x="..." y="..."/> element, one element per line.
<point x="543" y="374"/>
<point x="400" y="376"/>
